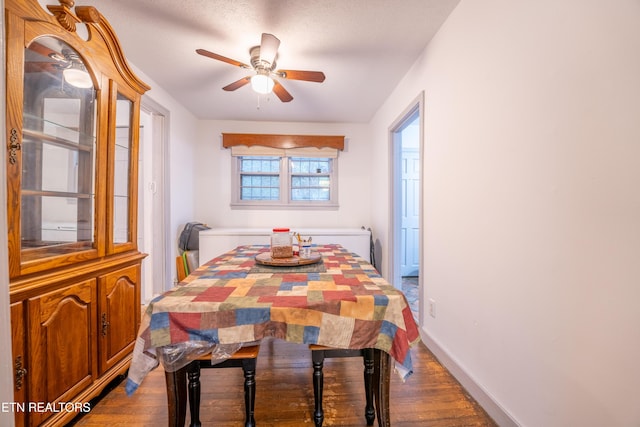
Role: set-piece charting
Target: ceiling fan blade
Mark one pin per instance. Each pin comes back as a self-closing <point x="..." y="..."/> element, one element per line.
<point x="281" y="92"/>
<point x="208" y="54"/>
<point x="237" y="84"/>
<point x="309" y="76"/>
<point x="38" y="67"/>
<point x="269" y="47"/>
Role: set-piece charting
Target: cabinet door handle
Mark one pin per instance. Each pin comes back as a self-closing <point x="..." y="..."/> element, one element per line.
<point x="105" y="324"/>
<point x="14" y="146"/>
<point x="20" y="372"/>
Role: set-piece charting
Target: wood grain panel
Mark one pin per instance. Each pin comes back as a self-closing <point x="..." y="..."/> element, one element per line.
<point x="282" y="141"/>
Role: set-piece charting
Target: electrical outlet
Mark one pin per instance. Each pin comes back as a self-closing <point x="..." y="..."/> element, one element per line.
<point x="432" y="308"/>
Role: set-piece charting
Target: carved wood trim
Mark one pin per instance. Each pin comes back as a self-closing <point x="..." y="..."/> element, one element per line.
<point x="94" y="19"/>
<point x="64" y="15"/>
<point x="283" y="141"/>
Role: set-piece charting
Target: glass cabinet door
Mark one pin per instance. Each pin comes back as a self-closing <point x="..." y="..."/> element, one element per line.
<point x="122" y="171"/>
<point x="58" y="159"/>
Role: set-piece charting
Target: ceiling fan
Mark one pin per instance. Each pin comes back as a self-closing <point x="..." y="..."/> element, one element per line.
<point x="263" y="63"/>
<point x="45" y="56"/>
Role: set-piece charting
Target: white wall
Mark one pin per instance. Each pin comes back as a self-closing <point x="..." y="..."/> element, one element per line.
<point x="531" y="203"/>
<point x="214" y="175"/>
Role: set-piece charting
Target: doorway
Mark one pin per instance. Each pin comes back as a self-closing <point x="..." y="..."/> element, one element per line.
<point x="406" y="241"/>
<point x="153" y="200"/>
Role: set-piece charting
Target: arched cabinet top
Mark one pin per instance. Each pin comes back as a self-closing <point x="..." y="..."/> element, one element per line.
<point x="100" y="48"/>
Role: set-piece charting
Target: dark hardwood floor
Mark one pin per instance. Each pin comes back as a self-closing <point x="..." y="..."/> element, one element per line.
<point x="284" y="397"/>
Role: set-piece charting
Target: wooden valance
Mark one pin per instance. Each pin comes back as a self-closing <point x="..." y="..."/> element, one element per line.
<point x="283" y="141"/>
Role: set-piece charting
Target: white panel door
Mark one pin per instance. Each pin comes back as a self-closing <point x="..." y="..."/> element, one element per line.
<point x="410" y="228"/>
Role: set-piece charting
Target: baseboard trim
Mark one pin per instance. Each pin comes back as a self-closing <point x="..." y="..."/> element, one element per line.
<point x="484" y="399"/>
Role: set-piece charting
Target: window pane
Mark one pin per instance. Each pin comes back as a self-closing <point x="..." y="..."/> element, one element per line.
<point x="259" y="187"/>
<point x="310" y="179"/>
<point x="259" y="178"/>
<point x="305" y="188"/>
<point x="310" y="165"/>
<point x="260" y="164"/>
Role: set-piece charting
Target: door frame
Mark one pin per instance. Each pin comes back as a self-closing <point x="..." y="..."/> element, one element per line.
<point x="395" y="216"/>
<point x="160" y="235"/>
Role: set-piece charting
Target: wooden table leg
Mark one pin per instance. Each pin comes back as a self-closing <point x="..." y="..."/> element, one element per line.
<point x="369" y="382"/>
<point x="249" y="370"/>
<point x="193" y="391"/>
<point x="382" y="376"/>
<point x="177" y="396"/>
<point x="318" y="384"/>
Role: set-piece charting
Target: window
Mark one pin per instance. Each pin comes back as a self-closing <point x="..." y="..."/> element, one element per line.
<point x="259" y="178"/>
<point x="284" y="171"/>
<point x="310" y="179"/>
<point x="284" y="182"/>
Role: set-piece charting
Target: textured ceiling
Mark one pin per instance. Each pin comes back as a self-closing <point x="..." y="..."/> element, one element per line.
<point x="364" y="47"/>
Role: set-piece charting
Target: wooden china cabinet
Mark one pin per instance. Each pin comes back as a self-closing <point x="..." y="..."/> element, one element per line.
<point x="73" y="107"/>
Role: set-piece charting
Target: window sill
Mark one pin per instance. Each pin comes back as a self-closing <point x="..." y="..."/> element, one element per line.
<point x="279" y="206"/>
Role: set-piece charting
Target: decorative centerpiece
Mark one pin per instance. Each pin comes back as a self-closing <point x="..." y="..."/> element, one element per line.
<point x="281" y="252"/>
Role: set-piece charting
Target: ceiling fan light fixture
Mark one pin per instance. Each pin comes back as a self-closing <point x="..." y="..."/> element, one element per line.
<point x="77" y="77"/>
<point x="262" y="83"/>
<point x="263" y="63"/>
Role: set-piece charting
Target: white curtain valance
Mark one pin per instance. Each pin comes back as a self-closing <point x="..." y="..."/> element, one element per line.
<point x="256" y="150"/>
<point x="312" y="152"/>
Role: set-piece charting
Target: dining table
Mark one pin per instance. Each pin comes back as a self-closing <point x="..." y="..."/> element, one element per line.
<point x="341" y="301"/>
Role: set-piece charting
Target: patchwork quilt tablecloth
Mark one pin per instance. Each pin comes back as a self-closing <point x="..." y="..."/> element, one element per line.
<point x="341" y="302"/>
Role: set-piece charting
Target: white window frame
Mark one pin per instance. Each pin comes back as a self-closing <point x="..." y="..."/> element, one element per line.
<point x="285" y="174"/>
